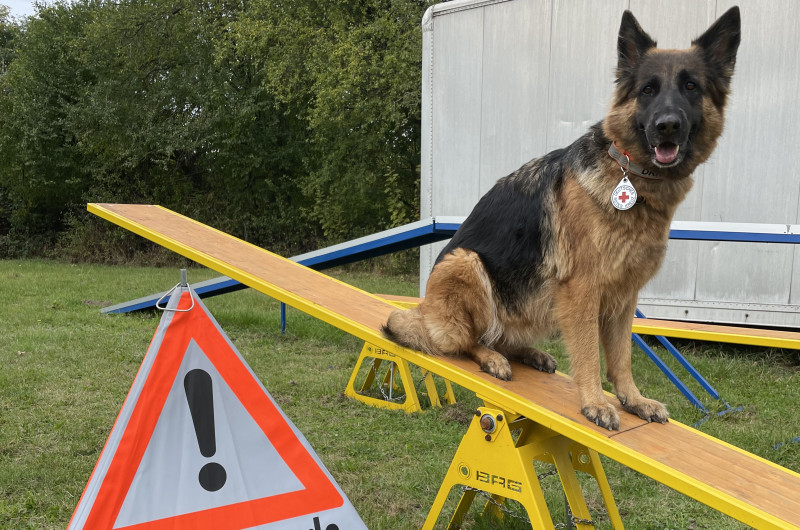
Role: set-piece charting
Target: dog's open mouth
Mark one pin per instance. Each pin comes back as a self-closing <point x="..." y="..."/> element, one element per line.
<point x="666" y="153"/>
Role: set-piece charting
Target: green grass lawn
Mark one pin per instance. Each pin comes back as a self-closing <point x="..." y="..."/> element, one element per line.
<point x="66" y="370"/>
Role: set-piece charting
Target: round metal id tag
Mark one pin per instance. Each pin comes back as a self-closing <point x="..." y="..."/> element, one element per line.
<point x="624" y="195"/>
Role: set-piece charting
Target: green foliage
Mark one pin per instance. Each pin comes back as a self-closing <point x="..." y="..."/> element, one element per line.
<point x="352" y="71"/>
<point x="285" y="124"/>
<point x="8" y="34"/>
<point x="42" y="171"/>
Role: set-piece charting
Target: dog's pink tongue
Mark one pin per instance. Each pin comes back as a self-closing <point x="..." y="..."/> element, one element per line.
<point x="666" y="153"/>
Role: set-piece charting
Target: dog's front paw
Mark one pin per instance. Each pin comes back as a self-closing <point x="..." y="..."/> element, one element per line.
<point x="647" y="409"/>
<point x="498" y="366"/>
<point x="602" y="414"/>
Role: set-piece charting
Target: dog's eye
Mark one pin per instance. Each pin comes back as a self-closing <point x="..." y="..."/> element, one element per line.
<point x="690" y="85"/>
<point x="648" y="90"/>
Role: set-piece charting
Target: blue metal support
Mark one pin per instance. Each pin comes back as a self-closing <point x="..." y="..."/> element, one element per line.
<point x="741" y="237"/>
<point x="669" y="373"/>
<point x="684" y="362"/>
<point x="393" y="240"/>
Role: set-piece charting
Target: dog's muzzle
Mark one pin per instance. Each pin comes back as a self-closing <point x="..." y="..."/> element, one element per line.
<point x="667" y="134"/>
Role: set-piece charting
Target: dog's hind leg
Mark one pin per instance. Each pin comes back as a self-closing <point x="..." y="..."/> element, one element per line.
<point x="615" y="335"/>
<point x="490" y="361"/>
<point x="528" y="355"/>
<point x="458" y="311"/>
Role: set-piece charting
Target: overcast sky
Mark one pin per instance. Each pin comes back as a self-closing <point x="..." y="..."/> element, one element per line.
<point x="19" y="8"/>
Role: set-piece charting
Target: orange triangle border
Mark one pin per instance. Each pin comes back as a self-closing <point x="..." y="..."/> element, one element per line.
<point x="319" y="494"/>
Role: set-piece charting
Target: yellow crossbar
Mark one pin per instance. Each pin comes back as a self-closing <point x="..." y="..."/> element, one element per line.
<point x="733" y="481"/>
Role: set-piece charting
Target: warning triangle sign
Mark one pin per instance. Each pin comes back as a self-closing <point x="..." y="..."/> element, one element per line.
<point x="200" y="444"/>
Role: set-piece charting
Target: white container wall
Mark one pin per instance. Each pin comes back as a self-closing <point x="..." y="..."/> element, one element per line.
<point x="507" y="81"/>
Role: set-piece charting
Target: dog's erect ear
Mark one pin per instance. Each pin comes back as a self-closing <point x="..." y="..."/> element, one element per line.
<point x="632" y="44"/>
<point x="721" y="41"/>
<point x="719" y="45"/>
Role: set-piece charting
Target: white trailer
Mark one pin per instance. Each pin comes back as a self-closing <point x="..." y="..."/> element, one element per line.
<point x="505" y="81"/>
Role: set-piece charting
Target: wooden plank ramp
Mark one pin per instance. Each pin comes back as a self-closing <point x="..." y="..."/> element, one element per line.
<point x="749" y="488"/>
<point x="769" y="338"/>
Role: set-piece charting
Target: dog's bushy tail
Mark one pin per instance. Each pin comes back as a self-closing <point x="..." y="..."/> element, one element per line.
<point x="407" y="328"/>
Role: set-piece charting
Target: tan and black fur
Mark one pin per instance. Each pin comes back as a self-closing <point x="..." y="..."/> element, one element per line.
<point x="545" y="250"/>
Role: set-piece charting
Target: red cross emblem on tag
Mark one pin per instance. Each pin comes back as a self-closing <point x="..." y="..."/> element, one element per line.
<point x="624" y="195"/>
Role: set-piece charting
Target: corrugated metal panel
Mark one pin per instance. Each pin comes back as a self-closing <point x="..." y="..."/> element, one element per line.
<point x="506" y="81"/>
<point x="460" y="45"/>
<point x="583" y="59"/>
<point x="453" y="63"/>
<point x="509" y="131"/>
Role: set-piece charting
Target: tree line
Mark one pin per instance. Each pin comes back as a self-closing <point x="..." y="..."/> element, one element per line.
<point x="289" y="123"/>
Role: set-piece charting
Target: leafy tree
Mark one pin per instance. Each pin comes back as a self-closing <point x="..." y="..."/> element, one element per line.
<point x="182" y="112"/>
<point x="353" y="71"/>
<point x="41" y="170"/>
<point x="9" y="31"/>
<point x="282" y="122"/>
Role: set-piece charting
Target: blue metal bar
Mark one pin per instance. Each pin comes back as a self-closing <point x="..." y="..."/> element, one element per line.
<point x="795" y="440"/>
<point x="394" y="240"/>
<point x="369" y="249"/>
<point x="689" y="367"/>
<point x="668" y="372"/>
<point x="445" y="228"/>
<point x="684" y="362"/>
<point x="742" y="237"/>
<point x="208" y="288"/>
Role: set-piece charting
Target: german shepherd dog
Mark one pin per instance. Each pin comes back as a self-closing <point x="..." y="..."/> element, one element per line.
<point x="566" y="241"/>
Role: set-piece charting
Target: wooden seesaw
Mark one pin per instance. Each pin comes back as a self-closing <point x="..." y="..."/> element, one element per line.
<point x="543" y="409"/>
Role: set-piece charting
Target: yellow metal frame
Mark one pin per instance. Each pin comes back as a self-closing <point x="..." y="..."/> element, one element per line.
<point x="397" y="377"/>
<point x="490" y="392"/>
<point x="491" y="460"/>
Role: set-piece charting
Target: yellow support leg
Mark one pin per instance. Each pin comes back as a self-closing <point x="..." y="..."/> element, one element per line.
<point x="490" y="460"/>
<point x="588" y="461"/>
<point x="433" y="393"/>
<point x="461" y="509"/>
<point x="397" y="378"/>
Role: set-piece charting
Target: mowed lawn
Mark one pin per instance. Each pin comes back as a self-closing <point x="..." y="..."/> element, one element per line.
<point x="65" y="370"/>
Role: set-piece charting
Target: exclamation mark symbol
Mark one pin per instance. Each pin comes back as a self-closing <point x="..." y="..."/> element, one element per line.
<point x="200" y="397"/>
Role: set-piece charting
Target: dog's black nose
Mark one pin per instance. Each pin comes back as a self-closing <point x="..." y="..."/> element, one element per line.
<point x="668" y="124"/>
